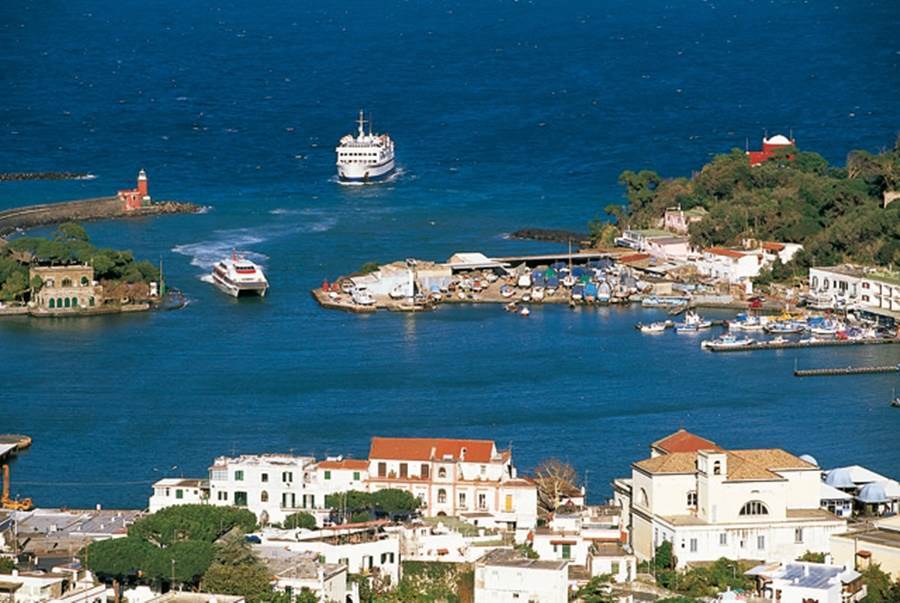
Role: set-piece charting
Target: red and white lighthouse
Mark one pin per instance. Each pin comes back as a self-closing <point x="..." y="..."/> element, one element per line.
<point x="135" y="198"/>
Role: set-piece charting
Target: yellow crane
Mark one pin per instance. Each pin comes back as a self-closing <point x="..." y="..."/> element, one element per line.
<point x="5" y="501"/>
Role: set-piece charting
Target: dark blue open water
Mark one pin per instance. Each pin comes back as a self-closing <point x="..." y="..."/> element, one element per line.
<point x="506" y="114"/>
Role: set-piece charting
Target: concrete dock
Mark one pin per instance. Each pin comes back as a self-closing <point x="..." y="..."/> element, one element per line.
<point x="825" y="343"/>
<point x="848" y="370"/>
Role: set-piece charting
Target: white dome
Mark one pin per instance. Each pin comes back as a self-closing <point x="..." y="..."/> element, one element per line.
<point x="839" y="478"/>
<point x="809" y="459"/>
<point x="873" y="493"/>
<point x="779" y="139"/>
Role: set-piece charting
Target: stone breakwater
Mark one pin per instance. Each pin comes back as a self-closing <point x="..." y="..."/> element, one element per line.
<point x="101" y="208"/>
<point x="11" y="176"/>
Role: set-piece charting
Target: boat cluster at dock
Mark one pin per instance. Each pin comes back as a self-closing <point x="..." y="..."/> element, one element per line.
<point x="811" y="329"/>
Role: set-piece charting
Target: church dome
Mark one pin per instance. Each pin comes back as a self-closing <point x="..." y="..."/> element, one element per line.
<point x="839" y="478"/>
<point x="809" y="459"/>
<point x="779" y="139"/>
<point x="873" y="493"/>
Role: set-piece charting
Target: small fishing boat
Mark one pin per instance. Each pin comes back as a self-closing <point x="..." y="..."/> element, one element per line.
<point x="693" y="323"/>
<point x="537" y="294"/>
<point x="568" y="281"/>
<point x="896" y="399"/>
<point x="727" y="342"/>
<point x="578" y="292"/>
<point x="511" y="307"/>
<point x="524" y="281"/>
<point x="778" y="340"/>
<point x="784" y="327"/>
<point x="506" y="291"/>
<point x="653" y="327"/>
<point x="524" y="312"/>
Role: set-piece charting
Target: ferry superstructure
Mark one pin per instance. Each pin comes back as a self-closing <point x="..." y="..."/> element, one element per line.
<point x="365" y="157"/>
<point x="238" y="276"/>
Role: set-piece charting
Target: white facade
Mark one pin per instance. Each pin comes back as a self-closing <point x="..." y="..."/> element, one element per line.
<point x="53" y="588"/>
<point x="801" y="582"/>
<point x="856" y="286"/>
<point x="730" y="265"/>
<point x="520" y="581"/>
<point x="273" y="486"/>
<point x="177" y="491"/>
<point x="361" y="549"/>
<point x="741" y="504"/>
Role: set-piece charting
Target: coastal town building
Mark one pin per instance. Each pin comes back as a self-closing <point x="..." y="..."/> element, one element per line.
<point x="679" y="220"/>
<point x="404" y="279"/>
<point x="455" y="478"/>
<point x="273" y="486"/>
<point x="581" y="535"/>
<point x="871" y="493"/>
<point x="337" y="474"/>
<point x="803" y="582"/>
<point x="874" y="290"/>
<point x="58" y="586"/>
<point x="502" y="577"/>
<point x="172" y="491"/>
<point x="181" y="596"/>
<point x="709" y="502"/>
<point x="65" y="289"/>
<point x="446" y="540"/>
<point x="770" y="148"/>
<point x="138" y="197"/>
<point x="877" y="543"/>
<point x="733" y="266"/>
<point x="363" y="548"/>
<point x="298" y="572"/>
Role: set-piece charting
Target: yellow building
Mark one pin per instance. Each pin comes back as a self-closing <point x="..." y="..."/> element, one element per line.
<point x="65" y="288"/>
<point x="873" y="544"/>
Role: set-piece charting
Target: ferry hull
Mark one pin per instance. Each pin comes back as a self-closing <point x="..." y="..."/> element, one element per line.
<point x="239" y="290"/>
<point x="356" y="173"/>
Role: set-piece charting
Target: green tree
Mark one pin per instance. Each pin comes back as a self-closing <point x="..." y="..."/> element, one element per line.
<point x="249" y="580"/>
<point x="301" y="520"/>
<point x="182" y="562"/>
<point x="664" y="558"/>
<point x="233" y="549"/>
<point x="602" y="234"/>
<point x="393" y="501"/>
<point x="191" y="522"/>
<point x="7" y="565"/>
<point x="14" y="287"/>
<point x="597" y="590"/>
<point x="352" y="500"/>
<point x="119" y="559"/>
<point x="879" y="588"/>
<point x="71" y="231"/>
<point x="812" y="557"/>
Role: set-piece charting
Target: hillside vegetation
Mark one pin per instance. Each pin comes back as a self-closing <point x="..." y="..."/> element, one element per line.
<point x="836" y="212"/>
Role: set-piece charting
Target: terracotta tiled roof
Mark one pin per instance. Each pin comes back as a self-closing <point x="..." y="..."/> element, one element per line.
<point x="354" y="464"/>
<point x="427" y="449"/>
<point x="772" y="246"/>
<point x="756" y="464"/>
<point x="731" y="253"/>
<point x="774" y="458"/>
<point x="683" y="441"/>
<point x="676" y="462"/>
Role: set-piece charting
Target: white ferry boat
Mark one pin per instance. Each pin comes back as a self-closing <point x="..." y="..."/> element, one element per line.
<point x="365" y="158"/>
<point x="236" y="276"/>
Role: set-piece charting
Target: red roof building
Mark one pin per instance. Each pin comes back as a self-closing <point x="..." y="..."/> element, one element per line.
<point x="433" y="449"/>
<point x="769" y="147"/>
<point x="681" y="441"/>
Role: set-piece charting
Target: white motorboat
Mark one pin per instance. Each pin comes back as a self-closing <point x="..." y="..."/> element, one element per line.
<point x="537" y="294"/>
<point x="693" y="323"/>
<point x="524" y="312"/>
<point x="727" y="342"/>
<point x="362" y="297"/>
<point x="653" y="327"/>
<point x="238" y="276"/>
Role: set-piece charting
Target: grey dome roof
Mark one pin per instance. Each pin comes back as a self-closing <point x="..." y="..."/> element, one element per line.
<point x="809" y="459"/>
<point x="839" y="478"/>
<point x="873" y="493"/>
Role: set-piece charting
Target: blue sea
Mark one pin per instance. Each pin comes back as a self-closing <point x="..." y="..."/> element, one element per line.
<point x="506" y="114"/>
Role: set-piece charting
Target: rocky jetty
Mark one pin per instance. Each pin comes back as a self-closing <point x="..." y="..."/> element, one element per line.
<point x="11" y="176"/>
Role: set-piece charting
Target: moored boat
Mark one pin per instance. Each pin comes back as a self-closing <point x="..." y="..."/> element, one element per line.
<point x="727" y="342"/>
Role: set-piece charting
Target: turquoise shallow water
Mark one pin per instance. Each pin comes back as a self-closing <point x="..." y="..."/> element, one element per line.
<point x="506" y="115"/>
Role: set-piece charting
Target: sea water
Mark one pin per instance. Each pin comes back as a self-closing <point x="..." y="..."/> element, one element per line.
<point x="506" y="115"/>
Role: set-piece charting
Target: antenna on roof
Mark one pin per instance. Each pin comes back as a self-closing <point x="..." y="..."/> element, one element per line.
<point x="746" y="144"/>
<point x="791" y="134"/>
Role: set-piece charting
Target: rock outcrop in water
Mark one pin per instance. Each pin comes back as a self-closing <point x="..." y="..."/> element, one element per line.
<point x="550" y="234"/>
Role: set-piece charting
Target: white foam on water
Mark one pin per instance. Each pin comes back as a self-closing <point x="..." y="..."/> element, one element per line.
<point x="204" y="254"/>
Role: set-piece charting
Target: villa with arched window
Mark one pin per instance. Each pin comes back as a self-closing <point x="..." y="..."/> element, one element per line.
<point x="711" y="502"/>
<point x="64" y="289"/>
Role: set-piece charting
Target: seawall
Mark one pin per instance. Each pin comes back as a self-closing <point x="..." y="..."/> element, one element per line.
<point x="100" y="208"/>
